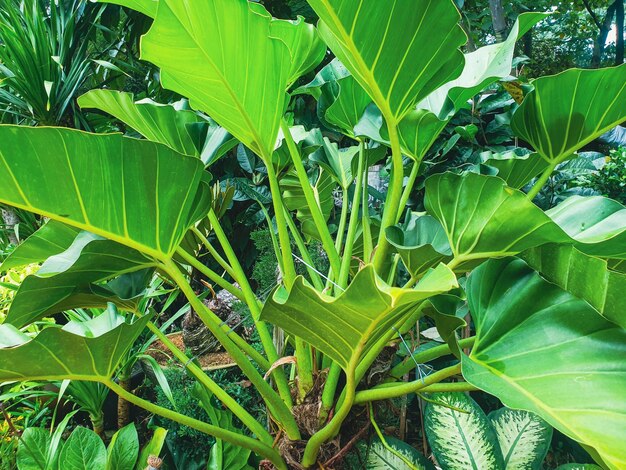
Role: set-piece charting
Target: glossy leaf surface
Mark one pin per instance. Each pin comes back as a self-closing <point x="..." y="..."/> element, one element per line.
<point x="567" y="111"/>
<point x="383" y="44"/>
<point x="539" y="348"/>
<point x="344" y="328"/>
<point x="152" y="193"/>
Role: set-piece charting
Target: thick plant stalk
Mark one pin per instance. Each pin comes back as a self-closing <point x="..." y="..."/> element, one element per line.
<point x="276" y="405"/>
<point x="408" y="188"/>
<point x="237" y="439"/>
<point x="97" y="422"/>
<point x="123" y="406"/>
<point x="392" y="202"/>
<point x="304" y="252"/>
<point x="386" y="391"/>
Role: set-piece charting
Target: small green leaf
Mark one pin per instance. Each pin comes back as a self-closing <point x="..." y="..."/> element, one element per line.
<point x="83" y="450"/>
<point x="33" y="449"/>
<point x="123" y="449"/>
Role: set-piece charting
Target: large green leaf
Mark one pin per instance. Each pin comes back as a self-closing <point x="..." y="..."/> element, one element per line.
<point x="345" y="112"/>
<point x="539" y="348"/>
<point x="138" y="193"/>
<point x="459" y="433"/>
<point x="524" y="438"/>
<point x="380" y="457"/>
<point x="51" y="239"/>
<point x="584" y="276"/>
<point x="147" y="7"/>
<point x="59" y="354"/>
<point x="392" y="48"/>
<point x="567" y="111"/>
<point x="83" y="449"/>
<point x="482" y="218"/>
<point x="422" y="125"/>
<point x="482" y="67"/>
<point x="421" y="242"/>
<point x="345" y="327"/>
<point x="516" y="170"/>
<point x="68" y="280"/>
<point x="33" y="449"/>
<point x="238" y="75"/>
<point x="156" y="122"/>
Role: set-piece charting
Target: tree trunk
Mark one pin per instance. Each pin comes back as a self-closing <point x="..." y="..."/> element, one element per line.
<point x="97" y="423"/>
<point x="10" y="220"/>
<point x="123" y="406"/>
<point x="598" y="48"/>
<point x="498" y="19"/>
<point x="619" y="27"/>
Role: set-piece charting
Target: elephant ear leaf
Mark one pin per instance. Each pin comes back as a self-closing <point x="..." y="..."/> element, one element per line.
<point x="182" y="42"/>
<point x="395" y="454"/>
<point x="50" y="239"/>
<point x="523" y="436"/>
<point x="156" y="122"/>
<point x="459" y="433"/>
<point x="567" y="111"/>
<point x="570" y="370"/>
<point x="345" y="328"/>
<point x="382" y="44"/>
<point x="137" y="193"/>
<point x="59" y="354"/>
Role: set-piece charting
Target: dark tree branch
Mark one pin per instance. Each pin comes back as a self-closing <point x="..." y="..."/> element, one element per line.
<point x="593" y="15"/>
<point x="619" y="27"/>
<point x="598" y="48"/>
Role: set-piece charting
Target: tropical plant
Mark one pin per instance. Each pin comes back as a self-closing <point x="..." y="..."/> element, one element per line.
<point x="119" y="205"/>
<point x="40" y="450"/>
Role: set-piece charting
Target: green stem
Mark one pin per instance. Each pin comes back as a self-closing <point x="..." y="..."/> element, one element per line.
<point x="392" y="203"/>
<point x="245" y="417"/>
<point x="353" y="225"/>
<point x="316" y="212"/>
<point x="229" y="436"/>
<point x="541" y="181"/>
<point x="250" y="298"/>
<point x="408" y="188"/>
<point x="450" y="387"/>
<point x="426" y="356"/>
<point x="384" y="442"/>
<point x="330" y="388"/>
<point x="288" y="267"/>
<point x="213" y="252"/>
<point x="386" y="391"/>
<point x="209" y="273"/>
<point x="342" y="220"/>
<point x="304" y="253"/>
<point x="330" y="430"/>
<point x="273" y="400"/>
<point x="368" y="244"/>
